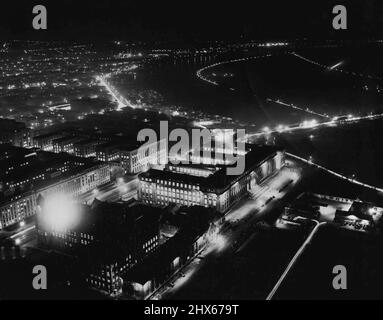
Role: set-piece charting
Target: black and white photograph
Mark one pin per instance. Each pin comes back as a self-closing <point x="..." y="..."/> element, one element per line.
<point x="191" y="151"/>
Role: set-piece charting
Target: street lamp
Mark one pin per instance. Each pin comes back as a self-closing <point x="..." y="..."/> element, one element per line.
<point x="266" y="130"/>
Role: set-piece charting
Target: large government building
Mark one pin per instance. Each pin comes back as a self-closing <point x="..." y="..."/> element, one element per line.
<point x="209" y="185"/>
<point x="23" y="203"/>
<point x="107" y="239"/>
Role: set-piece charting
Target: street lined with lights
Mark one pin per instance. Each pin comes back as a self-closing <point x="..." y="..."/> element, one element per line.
<point x="335" y="68"/>
<point x="338" y="175"/>
<point x="229" y="233"/>
<point x="336" y="65"/>
<point x="317" y="223"/>
<point x="121" y="189"/>
<point x="122" y="102"/>
<point x="295" y="258"/>
<point x="311" y="124"/>
<point x="290" y="105"/>
<point x="201" y="71"/>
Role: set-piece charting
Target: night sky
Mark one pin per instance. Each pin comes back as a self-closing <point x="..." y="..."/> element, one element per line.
<point x="190" y="20"/>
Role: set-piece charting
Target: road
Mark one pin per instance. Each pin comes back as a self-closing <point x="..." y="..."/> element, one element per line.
<point x="200" y="72"/>
<point x="113" y="191"/>
<point x="231" y="234"/>
<point x="295" y="258"/>
<point x="122" y="102"/>
<point x="337" y="121"/>
<point x="336" y="174"/>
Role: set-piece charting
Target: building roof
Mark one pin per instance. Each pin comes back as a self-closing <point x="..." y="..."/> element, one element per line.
<point x="218" y="181"/>
<point x="117" y="228"/>
<point x="42" y="185"/>
<point x="125" y="145"/>
<point x="160" y="260"/>
<point x="67" y="139"/>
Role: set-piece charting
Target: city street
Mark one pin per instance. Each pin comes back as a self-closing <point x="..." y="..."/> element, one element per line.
<point x="123" y="189"/>
<point x="234" y="234"/>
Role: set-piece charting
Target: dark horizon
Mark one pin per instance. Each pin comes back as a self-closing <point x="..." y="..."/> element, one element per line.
<point x="174" y="21"/>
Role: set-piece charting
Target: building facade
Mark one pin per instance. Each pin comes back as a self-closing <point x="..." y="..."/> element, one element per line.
<point x="190" y="186"/>
<point x="65" y="144"/>
<point x="45" y="141"/>
<point x="134" y="157"/>
<point x="15" y="133"/>
<point x="20" y="206"/>
<point x="108" y="240"/>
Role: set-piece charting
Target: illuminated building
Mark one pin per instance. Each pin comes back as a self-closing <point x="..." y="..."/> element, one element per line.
<point x="27" y="168"/>
<point x="65" y="144"/>
<point x="45" y="141"/>
<point x="197" y="227"/>
<point x="108" y="152"/>
<point x="20" y="205"/>
<point x="132" y="156"/>
<point x="15" y="133"/>
<point x="86" y="148"/>
<point x="108" y="238"/>
<point x="17" y="209"/>
<point x="218" y="153"/>
<point x="194" y="170"/>
<point x="141" y="159"/>
<point x="186" y="185"/>
<point x="80" y="181"/>
<point x="338" y="211"/>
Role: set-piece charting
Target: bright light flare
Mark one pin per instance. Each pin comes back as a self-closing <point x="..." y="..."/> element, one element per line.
<point x="123" y="188"/>
<point x="309" y="124"/>
<point x="266" y="130"/>
<point x="219" y="242"/>
<point x="336" y="65"/>
<point x="59" y="213"/>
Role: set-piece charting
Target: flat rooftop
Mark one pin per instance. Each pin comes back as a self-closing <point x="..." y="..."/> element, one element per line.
<point x="329" y="207"/>
<point x="219" y="180"/>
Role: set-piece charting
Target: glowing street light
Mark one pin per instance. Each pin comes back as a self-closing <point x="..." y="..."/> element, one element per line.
<point x="266" y="130"/>
<point x="219" y="241"/>
<point x="309" y="124"/>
